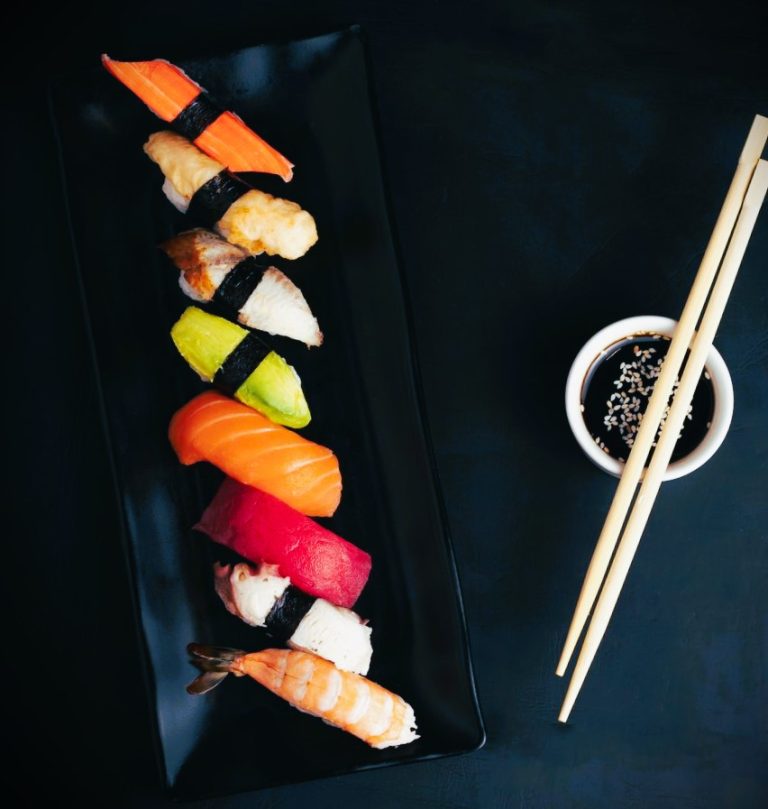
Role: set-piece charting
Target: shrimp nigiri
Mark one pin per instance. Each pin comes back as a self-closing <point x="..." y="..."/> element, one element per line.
<point x="347" y="701"/>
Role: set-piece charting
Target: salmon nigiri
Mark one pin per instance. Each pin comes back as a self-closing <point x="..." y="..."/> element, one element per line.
<point x="174" y="97"/>
<point x="252" y="449"/>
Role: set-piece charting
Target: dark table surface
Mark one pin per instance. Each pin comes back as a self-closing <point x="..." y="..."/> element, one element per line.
<point x="552" y="167"/>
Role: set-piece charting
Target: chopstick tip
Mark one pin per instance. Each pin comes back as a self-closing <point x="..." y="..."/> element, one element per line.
<point x="570" y="698"/>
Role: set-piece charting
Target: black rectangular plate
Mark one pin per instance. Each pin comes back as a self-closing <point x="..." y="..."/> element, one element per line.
<point x="310" y="98"/>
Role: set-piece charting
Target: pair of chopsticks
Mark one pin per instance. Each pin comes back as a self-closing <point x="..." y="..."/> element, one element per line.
<point x="724" y="252"/>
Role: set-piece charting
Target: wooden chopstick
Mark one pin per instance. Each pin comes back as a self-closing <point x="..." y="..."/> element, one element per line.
<point x="646" y="435"/>
<point x="652" y="480"/>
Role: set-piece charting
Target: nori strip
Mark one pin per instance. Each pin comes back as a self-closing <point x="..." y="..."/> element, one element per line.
<point x="212" y="200"/>
<point x="197" y="116"/>
<point x="240" y="364"/>
<point x="288" y="612"/>
<point x="239" y="283"/>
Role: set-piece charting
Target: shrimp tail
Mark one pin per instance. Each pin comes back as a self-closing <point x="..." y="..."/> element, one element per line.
<point x="215" y="662"/>
<point x="205" y="682"/>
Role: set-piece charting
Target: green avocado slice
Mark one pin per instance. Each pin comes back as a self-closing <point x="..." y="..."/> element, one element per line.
<point x="273" y="387"/>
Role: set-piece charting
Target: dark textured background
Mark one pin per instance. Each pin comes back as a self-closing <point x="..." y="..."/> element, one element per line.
<point x="552" y="167"/>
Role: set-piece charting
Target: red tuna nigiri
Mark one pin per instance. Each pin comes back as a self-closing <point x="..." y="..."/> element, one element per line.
<point x="263" y="529"/>
<point x="258" y="452"/>
<point x="168" y="91"/>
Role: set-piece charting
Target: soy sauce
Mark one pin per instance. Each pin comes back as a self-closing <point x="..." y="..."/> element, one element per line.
<point x="617" y="388"/>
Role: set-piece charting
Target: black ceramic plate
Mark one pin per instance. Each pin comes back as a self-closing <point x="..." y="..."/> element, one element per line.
<point x="311" y="99"/>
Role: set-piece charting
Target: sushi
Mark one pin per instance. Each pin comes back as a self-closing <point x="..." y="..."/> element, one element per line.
<point x="252" y="449"/>
<point x="201" y="187"/>
<point x="212" y="269"/>
<point x="241" y="365"/>
<point x="262" y="528"/>
<point x="182" y="103"/>
<point x="347" y="701"/>
<point x="262" y="597"/>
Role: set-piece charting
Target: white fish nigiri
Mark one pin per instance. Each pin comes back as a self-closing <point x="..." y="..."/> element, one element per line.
<point x="261" y="597"/>
<point x="275" y="305"/>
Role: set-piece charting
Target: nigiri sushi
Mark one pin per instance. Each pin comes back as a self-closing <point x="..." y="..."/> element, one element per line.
<point x="262" y="597"/>
<point x="212" y="269"/>
<point x="174" y="97"/>
<point x="242" y="365"/>
<point x="347" y="701"/>
<point x="250" y="448"/>
<point x="262" y="528"/>
<point x="201" y="186"/>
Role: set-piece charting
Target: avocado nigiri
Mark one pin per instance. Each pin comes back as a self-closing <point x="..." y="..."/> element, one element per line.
<point x="240" y="364"/>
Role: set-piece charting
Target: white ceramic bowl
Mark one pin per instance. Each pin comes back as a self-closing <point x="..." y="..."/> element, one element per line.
<point x="592" y="350"/>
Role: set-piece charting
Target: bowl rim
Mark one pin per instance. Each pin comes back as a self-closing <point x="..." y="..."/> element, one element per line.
<point x="592" y="350"/>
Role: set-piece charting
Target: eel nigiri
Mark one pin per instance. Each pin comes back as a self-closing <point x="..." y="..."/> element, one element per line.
<point x="252" y="449"/>
<point x="201" y="186"/>
<point x="262" y="597"/>
<point x="347" y="701"/>
<point x="261" y="528"/>
<point x="174" y="97"/>
<point x="212" y="269"/>
<point x="242" y="365"/>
